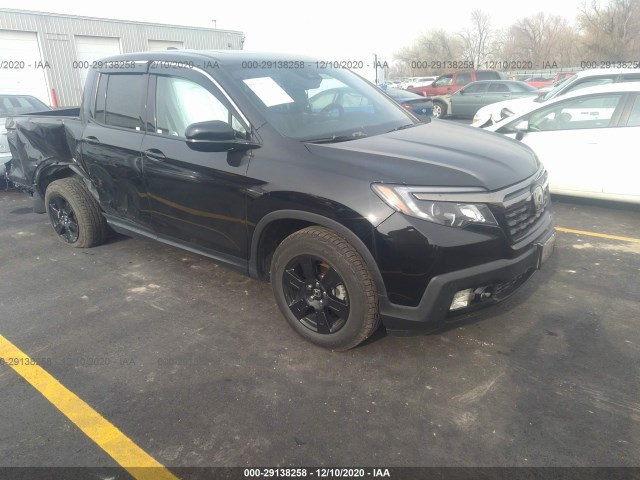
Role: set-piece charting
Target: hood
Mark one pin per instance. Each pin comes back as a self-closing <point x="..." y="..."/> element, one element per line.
<point x="439" y="154"/>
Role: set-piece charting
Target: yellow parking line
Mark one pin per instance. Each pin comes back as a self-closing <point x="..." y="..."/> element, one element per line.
<point x="126" y="453"/>
<point x="601" y="235"/>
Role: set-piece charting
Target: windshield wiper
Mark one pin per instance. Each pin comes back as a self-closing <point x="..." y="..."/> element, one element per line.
<point x="402" y="127"/>
<point x="338" y="138"/>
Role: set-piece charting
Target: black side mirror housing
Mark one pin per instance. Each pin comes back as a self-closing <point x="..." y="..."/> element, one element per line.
<point x="215" y="136"/>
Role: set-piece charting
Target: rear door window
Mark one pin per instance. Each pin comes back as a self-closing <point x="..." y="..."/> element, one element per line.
<point x="634" y="117"/>
<point x="124" y="105"/>
<point x="498" y="88"/>
<point x="101" y="97"/>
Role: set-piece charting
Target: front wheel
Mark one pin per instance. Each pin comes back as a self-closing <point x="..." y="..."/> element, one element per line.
<point x="439" y="109"/>
<point x="324" y="289"/>
<point x="74" y="213"/>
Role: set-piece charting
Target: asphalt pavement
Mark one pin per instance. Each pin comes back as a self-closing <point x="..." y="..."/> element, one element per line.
<point x="194" y="363"/>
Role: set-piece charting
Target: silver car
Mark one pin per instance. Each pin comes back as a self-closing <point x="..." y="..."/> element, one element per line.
<point x="14" y="105"/>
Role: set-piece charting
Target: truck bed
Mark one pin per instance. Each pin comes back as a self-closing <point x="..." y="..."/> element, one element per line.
<point x="41" y="139"/>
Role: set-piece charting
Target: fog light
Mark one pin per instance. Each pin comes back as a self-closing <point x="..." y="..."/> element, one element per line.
<point x="462" y="299"/>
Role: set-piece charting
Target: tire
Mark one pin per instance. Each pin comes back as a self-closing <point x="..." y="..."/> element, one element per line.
<point x="439" y="109"/>
<point x="74" y="214"/>
<point x="324" y="289"/>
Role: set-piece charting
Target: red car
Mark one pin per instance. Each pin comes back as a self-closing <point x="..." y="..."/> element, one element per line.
<point x="540" y="82"/>
<point x="452" y="82"/>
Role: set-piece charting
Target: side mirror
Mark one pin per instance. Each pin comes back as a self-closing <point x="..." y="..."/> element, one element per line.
<point x="505" y="112"/>
<point x="212" y="131"/>
<point x="215" y="136"/>
<point x="521" y="128"/>
<point x="460" y="92"/>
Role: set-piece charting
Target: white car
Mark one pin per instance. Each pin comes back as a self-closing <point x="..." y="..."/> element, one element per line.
<point x="587" y="140"/>
<point x="419" y="82"/>
<point x="588" y="78"/>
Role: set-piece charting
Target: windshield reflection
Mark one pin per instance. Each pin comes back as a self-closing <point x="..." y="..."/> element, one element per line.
<point x="325" y="105"/>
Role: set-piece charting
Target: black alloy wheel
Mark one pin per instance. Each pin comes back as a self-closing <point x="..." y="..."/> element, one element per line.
<point x="324" y="289"/>
<point x="316" y="294"/>
<point x="63" y="219"/>
<point x="74" y="214"/>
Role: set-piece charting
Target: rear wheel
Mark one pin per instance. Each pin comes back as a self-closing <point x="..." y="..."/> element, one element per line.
<point x="74" y="213"/>
<point x="324" y="289"/>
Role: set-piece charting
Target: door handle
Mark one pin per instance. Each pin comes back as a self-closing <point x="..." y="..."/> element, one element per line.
<point x="154" y="154"/>
<point x="92" y="140"/>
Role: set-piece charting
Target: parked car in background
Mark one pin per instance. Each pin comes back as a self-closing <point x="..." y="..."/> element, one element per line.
<point x="452" y="82"/>
<point x="418" y="82"/>
<point x="562" y="75"/>
<point x="588" y="78"/>
<point x="14" y="105"/>
<point x="416" y="104"/>
<point x="587" y="141"/>
<point x="539" y="82"/>
<point x="469" y="99"/>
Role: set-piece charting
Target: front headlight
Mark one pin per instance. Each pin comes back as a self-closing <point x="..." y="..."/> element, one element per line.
<point x="414" y="201"/>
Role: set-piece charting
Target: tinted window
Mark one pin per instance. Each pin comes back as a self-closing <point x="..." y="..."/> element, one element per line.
<point x="476" y="88"/>
<point x="634" y="77"/>
<point x="100" y="98"/>
<point x="634" y="118"/>
<point x="463" y="78"/>
<point x="498" y="88"/>
<point x="124" y="101"/>
<point x="181" y="102"/>
<point x="487" y="76"/>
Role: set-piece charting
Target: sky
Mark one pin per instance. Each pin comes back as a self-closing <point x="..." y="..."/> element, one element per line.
<point x="327" y="29"/>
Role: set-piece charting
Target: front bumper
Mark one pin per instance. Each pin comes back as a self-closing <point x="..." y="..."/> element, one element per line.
<point x="502" y="277"/>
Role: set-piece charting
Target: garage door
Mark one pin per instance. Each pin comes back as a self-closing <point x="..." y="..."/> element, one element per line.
<point x="90" y="49"/>
<point x="159" y="45"/>
<point x="20" y="73"/>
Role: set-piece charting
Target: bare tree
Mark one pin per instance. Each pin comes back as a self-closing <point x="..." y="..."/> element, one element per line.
<point x="611" y="32"/>
<point x="433" y="45"/>
<point x="476" y="40"/>
<point x="542" y="40"/>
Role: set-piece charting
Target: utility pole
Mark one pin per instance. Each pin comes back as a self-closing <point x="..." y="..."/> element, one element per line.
<point x="375" y="64"/>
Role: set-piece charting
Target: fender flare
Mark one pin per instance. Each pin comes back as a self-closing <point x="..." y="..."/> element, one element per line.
<point x="337" y="227"/>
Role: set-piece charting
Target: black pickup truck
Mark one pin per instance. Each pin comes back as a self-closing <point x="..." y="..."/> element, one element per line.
<point x="308" y="177"/>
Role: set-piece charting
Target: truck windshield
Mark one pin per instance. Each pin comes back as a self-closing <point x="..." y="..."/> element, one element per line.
<point x="315" y="104"/>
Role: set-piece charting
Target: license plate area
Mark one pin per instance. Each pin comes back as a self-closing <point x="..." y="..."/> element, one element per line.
<point x="545" y="249"/>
